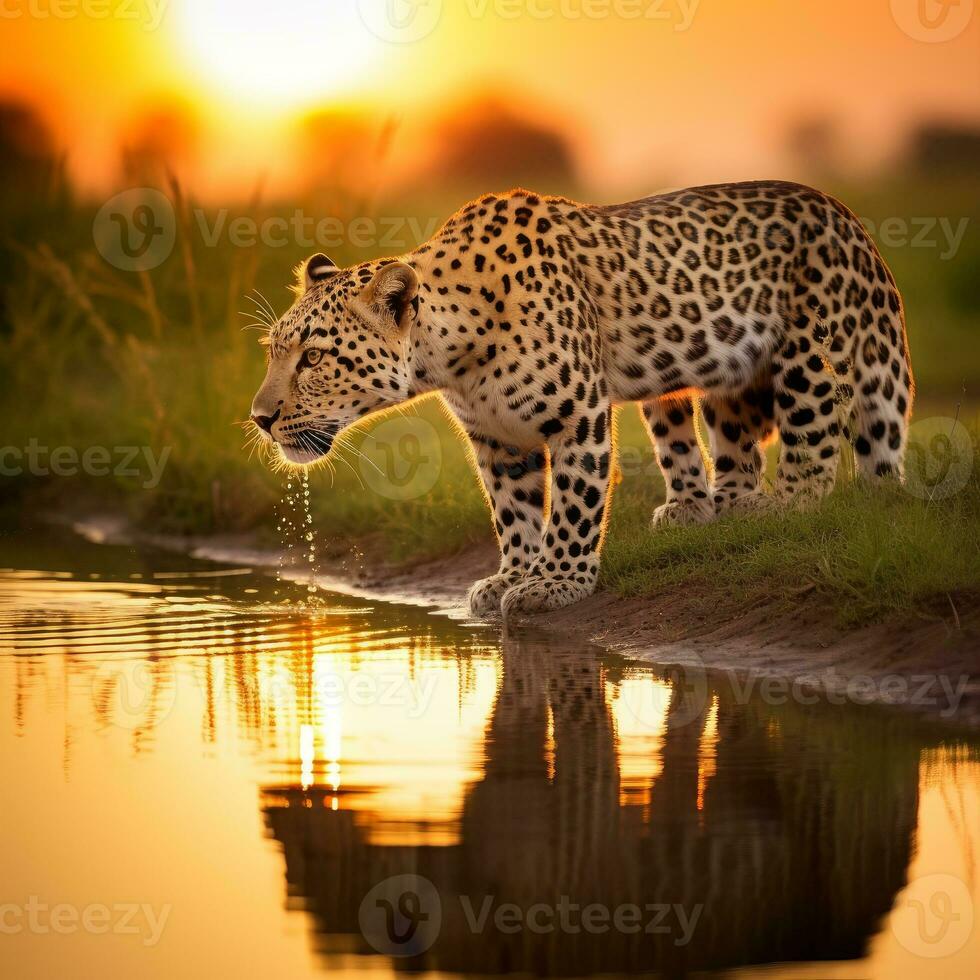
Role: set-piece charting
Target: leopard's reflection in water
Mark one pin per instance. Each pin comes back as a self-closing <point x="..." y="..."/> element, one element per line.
<point x="748" y="834"/>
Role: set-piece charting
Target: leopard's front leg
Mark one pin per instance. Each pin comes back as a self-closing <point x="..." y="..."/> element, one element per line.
<point x="514" y="482"/>
<point x="567" y="568"/>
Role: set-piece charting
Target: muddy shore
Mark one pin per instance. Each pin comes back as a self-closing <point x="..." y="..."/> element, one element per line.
<point x="930" y="665"/>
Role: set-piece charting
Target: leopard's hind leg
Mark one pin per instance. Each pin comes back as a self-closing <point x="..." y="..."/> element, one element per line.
<point x="671" y="425"/>
<point x="739" y="426"/>
<point x="812" y="381"/>
<point x="884" y="389"/>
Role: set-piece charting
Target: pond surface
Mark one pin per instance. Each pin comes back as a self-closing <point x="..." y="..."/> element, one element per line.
<point x="200" y="780"/>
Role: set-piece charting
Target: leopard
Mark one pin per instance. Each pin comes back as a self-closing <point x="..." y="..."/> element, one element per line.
<point x="736" y="316"/>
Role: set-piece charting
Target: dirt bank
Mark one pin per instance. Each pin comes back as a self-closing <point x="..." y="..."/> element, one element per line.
<point x="930" y="665"/>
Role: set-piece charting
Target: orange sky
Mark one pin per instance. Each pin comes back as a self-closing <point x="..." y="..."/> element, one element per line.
<point x="655" y="90"/>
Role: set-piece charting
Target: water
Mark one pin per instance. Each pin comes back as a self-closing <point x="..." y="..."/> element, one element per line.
<point x="200" y="782"/>
<point x="298" y="538"/>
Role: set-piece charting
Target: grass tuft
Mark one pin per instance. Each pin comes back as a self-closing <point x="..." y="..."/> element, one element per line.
<point x="868" y="551"/>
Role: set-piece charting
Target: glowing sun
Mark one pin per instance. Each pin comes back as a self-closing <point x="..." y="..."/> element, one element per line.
<point x="288" y="52"/>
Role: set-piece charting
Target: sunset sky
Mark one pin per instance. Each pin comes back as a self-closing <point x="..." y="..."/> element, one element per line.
<point x="651" y="90"/>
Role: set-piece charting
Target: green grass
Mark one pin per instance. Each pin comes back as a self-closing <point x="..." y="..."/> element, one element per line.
<point x="868" y="552"/>
<point x="97" y="357"/>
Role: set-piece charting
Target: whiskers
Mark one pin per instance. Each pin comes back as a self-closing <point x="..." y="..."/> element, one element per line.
<point x="312" y="439"/>
<point x="262" y="317"/>
<point x="256" y="443"/>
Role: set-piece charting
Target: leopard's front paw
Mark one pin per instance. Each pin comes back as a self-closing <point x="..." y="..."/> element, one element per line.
<point x="485" y="596"/>
<point x="540" y="594"/>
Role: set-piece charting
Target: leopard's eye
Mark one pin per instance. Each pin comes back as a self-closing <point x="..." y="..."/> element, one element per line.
<point x="311" y="357"/>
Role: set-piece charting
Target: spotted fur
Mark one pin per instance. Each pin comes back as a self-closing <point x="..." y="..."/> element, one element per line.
<point x="533" y="316"/>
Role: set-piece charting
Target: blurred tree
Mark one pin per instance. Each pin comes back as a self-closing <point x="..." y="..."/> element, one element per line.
<point x="161" y="139"/>
<point x="814" y="142"/>
<point x="33" y="192"/>
<point x="944" y="148"/>
<point x="342" y="155"/>
<point x="27" y="154"/>
<point x="484" y="144"/>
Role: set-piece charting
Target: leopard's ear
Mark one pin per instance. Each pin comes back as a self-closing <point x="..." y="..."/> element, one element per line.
<point x="390" y="294"/>
<point x="316" y="269"/>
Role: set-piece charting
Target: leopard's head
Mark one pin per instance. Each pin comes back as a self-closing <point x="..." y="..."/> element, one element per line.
<point x="338" y="354"/>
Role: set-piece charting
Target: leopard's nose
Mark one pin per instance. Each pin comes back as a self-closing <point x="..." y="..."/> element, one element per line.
<point x="266" y="422"/>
